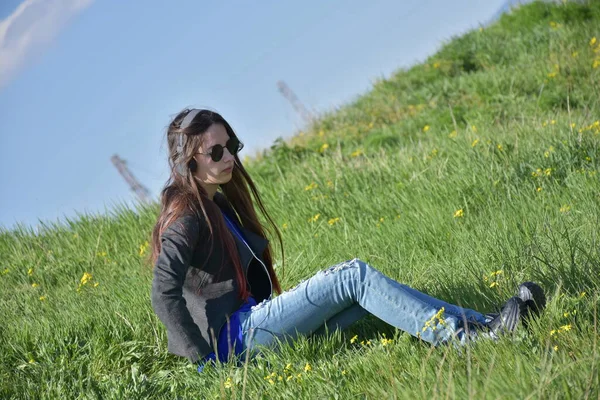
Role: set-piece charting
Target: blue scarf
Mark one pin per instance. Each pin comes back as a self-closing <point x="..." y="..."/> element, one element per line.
<point x="235" y="327"/>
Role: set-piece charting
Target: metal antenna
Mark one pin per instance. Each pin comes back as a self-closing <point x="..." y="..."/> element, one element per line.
<point x="141" y="192"/>
<point x="285" y="90"/>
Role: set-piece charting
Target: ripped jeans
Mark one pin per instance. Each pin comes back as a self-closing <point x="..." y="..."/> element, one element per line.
<point x="343" y="294"/>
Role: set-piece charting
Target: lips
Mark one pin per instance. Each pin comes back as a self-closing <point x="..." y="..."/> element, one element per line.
<point x="228" y="170"/>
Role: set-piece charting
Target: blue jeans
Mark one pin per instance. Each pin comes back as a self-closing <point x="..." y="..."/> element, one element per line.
<point x="343" y="294"/>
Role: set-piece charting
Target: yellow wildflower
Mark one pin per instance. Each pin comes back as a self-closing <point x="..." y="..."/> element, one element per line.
<point x="499" y="146"/>
<point x="539" y="189"/>
<point x="575" y="54"/>
<point x="34" y="285"/>
<point x="285" y="225"/>
<point x="565" y="208"/>
<point x="42" y="298"/>
<point x="474" y="143"/>
<point x="452" y="134"/>
<point x="5" y="271"/>
<point x="425" y="128"/>
<point x="436" y="65"/>
<point x="321" y="133"/>
<point x="356" y="153"/>
<point x="459" y="213"/>
<point x="553" y="332"/>
<point x="30" y="271"/>
<point x="354" y="339"/>
<point x="228" y="383"/>
<point x="96" y="284"/>
<point x="311" y="186"/>
<point x="288" y="367"/>
<point x="582" y="294"/>
<point x="324" y="147"/>
<point x="86" y="278"/>
<point x="31" y="361"/>
<point x="333" y="220"/>
<point x="329" y="184"/>
<point x="555" y="348"/>
<point x="314" y="218"/>
<point x="593" y="41"/>
<point x="493" y="284"/>
<point x="565" y="328"/>
<point x="596" y="63"/>
<point x="143" y="248"/>
<point x="344" y="372"/>
<point x="552" y="122"/>
<point x="101" y="254"/>
<point x="307" y="367"/>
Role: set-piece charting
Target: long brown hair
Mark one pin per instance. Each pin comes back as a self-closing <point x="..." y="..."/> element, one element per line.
<point x="182" y="194"/>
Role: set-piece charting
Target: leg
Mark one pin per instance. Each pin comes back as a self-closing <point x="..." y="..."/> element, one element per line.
<point x="304" y="309"/>
<point x="342" y="320"/>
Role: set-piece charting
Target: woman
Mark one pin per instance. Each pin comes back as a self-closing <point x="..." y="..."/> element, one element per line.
<point x="214" y="280"/>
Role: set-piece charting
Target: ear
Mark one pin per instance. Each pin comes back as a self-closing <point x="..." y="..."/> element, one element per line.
<point x="193" y="164"/>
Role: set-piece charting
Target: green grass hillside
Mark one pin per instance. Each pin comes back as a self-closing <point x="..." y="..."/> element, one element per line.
<point x="461" y="177"/>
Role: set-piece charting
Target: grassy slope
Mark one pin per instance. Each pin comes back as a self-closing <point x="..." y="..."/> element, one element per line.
<point x="501" y="124"/>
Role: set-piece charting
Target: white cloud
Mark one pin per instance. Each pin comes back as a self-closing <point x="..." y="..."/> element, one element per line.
<point x="34" y="24"/>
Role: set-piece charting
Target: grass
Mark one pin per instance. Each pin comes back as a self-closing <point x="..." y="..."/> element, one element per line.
<point x="485" y="158"/>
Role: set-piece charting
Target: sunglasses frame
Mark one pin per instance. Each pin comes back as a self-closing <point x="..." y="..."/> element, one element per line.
<point x="240" y="146"/>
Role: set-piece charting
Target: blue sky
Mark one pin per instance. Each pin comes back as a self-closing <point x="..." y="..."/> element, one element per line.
<point x="81" y="80"/>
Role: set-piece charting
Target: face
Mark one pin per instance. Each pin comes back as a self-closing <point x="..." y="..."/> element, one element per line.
<point x="209" y="173"/>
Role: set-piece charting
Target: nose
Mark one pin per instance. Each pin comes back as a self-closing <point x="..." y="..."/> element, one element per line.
<point x="227" y="155"/>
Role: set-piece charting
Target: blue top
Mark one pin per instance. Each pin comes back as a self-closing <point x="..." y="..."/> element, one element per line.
<point x="234" y="320"/>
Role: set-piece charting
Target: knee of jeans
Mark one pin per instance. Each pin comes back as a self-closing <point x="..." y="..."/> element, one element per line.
<point x="260" y="305"/>
<point x="354" y="263"/>
<point x="361" y="264"/>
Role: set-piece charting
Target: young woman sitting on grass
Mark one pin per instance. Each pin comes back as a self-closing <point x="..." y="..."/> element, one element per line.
<point x="214" y="281"/>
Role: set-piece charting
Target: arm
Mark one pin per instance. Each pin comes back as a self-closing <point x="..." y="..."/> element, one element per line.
<point x="178" y="242"/>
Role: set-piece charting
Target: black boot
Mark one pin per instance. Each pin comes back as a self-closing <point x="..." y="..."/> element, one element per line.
<point x="495" y="324"/>
<point x="533" y="296"/>
<point x="508" y="318"/>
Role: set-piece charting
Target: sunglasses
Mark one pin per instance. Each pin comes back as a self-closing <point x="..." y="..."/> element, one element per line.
<point x="233" y="145"/>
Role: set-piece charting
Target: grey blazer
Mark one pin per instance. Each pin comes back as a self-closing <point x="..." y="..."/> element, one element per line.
<point x="191" y="294"/>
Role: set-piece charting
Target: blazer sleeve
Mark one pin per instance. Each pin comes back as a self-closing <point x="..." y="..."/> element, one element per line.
<point x="178" y="242"/>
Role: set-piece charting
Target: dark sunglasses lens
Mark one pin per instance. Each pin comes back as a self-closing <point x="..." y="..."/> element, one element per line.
<point x="233" y="145"/>
<point x="217" y="153"/>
